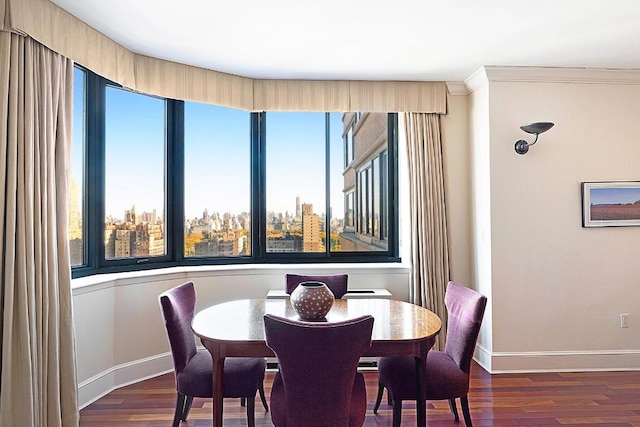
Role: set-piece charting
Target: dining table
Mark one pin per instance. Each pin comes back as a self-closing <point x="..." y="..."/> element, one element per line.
<point x="236" y="329"/>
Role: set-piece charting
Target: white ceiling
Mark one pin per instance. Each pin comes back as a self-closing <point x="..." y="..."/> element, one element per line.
<point x="371" y="39"/>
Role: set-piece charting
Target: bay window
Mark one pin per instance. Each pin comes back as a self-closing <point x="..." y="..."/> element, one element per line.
<point x="163" y="182"/>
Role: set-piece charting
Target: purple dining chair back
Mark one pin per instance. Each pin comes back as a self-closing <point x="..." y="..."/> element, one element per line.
<point x="465" y="308"/>
<point x="337" y="283"/>
<point x="243" y="376"/>
<point x="318" y="384"/>
<point x="446" y="373"/>
<point x="178" y="306"/>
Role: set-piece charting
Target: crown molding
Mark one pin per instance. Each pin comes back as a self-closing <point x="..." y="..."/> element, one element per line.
<point x="487" y="74"/>
<point x="476" y="80"/>
<point x="457" y="88"/>
<point x="563" y="75"/>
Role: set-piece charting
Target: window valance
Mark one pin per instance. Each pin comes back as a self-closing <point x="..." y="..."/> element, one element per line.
<point x="66" y="34"/>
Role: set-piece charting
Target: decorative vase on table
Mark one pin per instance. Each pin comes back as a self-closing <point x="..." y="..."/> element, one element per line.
<point x="312" y="300"/>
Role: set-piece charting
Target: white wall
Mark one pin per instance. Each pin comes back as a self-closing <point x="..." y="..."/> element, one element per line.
<point x="457" y="172"/>
<point x="481" y="210"/>
<point x="557" y="289"/>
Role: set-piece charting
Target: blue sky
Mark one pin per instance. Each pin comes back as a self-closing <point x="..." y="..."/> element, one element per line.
<point x="604" y="196"/>
<point x="134" y="153"/>
<point x="217" y="157"/>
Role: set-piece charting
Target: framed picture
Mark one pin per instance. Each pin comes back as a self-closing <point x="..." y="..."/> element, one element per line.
<point x="611" y="204"/>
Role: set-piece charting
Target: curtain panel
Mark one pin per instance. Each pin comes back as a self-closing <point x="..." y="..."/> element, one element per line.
<point x="429" y="238"/>
<point x="37" y="372"/>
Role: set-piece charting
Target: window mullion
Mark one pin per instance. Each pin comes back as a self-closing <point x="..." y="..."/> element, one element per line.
<point x="258" y="196"/>
<point x="95" y="166"/>
<point x="327" y="162"/>
<point x="174" y="172"/>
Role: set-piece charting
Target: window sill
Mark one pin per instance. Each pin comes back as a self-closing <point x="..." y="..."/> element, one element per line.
<point x="100" y="281"/>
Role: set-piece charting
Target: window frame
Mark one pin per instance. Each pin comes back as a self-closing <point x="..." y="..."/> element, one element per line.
<point x="114" y="264"/>
<point x="94" y="192"/>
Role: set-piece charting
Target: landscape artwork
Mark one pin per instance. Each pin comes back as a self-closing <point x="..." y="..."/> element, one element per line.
<point x="610" y="204"/>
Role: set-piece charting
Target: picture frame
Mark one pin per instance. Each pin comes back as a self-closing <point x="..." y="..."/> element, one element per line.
<point x="611" y="204"/>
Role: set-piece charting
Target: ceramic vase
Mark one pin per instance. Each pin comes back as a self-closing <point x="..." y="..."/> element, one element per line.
<point x="312" y="300"/>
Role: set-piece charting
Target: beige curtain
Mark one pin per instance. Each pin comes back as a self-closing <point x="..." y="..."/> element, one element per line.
<point x="429" y="242"/>
<point x="38" y="377"/>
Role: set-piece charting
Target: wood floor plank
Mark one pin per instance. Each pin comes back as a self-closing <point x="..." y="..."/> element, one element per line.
<point x="610" y="399"/>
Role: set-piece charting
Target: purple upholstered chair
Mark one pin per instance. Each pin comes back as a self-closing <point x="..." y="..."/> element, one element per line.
<point x="446" y="372"/>
<point x="336" y="282"/>
<point x="194" y="368"/>
<point x="318" y="384"/>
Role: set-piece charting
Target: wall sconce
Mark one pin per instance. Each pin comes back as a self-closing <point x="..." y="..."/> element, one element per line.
<point x="536" y="129"/>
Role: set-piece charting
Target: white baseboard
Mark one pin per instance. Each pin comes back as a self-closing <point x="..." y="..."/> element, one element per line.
<point x="557" y="361"/>
<point x="119" y="376"/>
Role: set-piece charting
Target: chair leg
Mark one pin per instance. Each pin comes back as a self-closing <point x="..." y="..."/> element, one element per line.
<point x="379" y="397"/>
<point x="187" y="408"/>
<point x="179" y="410"/>
<point x="454" y="409"/>
<point x="465" y="410"/>
<point x="397" y="412"/>
<point x="251" y="415"/>
<point x="243" y="401"/>
<point x="263" y="397"/>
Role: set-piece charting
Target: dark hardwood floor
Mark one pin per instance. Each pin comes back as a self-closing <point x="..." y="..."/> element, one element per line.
<point x="609" y="399"/>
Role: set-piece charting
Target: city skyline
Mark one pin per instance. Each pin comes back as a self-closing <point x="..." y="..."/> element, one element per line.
<point x="289" y="212"/>
<point x="141" y="234"/>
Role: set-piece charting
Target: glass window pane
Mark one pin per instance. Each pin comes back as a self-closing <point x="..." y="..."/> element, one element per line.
<point x="134" y="175"/>
<point x="217" y="199"/>
<point x="352" y="142"/>
<point x="368" y="210"/>
<point x="384" y="195"/>
<point x="375" y="198"/>
<point x="348" y="215"/>
<point x="76" y="180"/>
<point x="295" y="182"/>
<point x="348" y="138"/>
<point x="361" y="192"/>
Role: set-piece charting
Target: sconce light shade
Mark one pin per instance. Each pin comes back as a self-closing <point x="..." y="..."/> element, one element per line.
<point x="536" y="129"/>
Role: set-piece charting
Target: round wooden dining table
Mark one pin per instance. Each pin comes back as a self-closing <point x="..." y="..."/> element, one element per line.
<point x="236" y="329"/>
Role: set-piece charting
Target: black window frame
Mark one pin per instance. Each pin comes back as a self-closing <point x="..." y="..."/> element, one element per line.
<point x="93" y="209"/>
